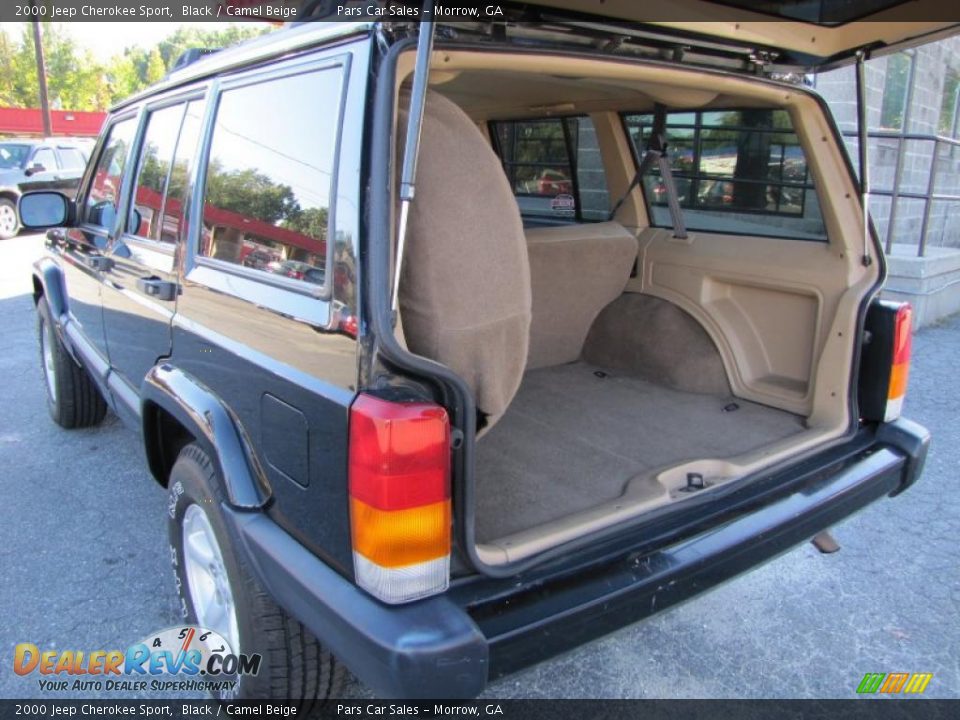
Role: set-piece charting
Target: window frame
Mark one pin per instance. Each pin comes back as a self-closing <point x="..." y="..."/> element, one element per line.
<point x="144" y="112"/>
<point x="572" y="163"/>
<point x="193" y="259"/>
<point x="698" y="127"/>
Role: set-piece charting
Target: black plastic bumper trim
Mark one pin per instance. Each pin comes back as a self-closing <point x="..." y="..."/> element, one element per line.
<point x="440" y="648"/>
<point x="913" y="440"/>
<point x="426" y="649"/>
<point x="552" y="619"/>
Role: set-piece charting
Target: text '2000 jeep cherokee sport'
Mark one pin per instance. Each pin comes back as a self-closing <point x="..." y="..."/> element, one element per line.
<point x="457" y="346"/>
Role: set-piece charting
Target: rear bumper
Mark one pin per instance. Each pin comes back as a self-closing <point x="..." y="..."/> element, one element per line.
<point x="451" y="645"/>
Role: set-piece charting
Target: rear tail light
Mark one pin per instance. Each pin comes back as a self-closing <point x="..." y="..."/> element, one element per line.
<point x="900" y="368"/>
<point x="399" y="468"/>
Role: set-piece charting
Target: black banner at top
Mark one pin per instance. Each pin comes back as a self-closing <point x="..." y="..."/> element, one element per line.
<point x="279" y="11"/>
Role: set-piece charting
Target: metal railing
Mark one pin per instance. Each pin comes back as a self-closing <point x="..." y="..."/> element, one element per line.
<point x="895" y="193"/>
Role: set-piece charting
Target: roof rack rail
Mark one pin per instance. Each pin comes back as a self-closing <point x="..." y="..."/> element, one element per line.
<point x="188" y="57"/>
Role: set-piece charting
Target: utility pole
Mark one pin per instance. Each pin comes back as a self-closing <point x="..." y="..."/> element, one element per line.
<point x="42" y="77"/>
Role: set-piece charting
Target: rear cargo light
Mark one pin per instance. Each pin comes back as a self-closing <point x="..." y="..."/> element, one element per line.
<point x="399" y="468"/>
<point x="900" y="369"/>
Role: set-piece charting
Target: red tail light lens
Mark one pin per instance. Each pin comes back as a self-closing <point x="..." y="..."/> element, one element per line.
<point x="399" y="468"/>
<point x="900" y="370"/>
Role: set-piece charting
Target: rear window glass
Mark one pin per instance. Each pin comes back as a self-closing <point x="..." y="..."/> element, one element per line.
<point x="163" y="127"/>
<point x="71" y="158"/>
<point x="554" y="168"/>
<point x="736" y="172"/>
<point x="267" y="196"/>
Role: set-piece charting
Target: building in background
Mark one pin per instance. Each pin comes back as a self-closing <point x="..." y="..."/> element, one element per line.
<point x="27" y="122"/>
<point x="913" y="114"/>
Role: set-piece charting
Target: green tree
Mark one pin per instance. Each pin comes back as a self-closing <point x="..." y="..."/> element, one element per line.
<point x="250" y="193"/>
<point x="312" y="222"/>
<point x="77" y="81"/>
<point x="155" y="68"/>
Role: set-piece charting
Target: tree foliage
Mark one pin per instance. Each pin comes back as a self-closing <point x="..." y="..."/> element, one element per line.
<point x="311" y="222"/>
<point x="76" y="80"/>
<point x="250" y="193"/>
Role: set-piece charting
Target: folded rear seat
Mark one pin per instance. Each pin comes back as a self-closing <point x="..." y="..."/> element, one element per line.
<point x="575" y="271"/>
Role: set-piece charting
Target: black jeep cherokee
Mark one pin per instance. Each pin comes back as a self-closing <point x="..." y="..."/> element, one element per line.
<point x="591" y="331"/>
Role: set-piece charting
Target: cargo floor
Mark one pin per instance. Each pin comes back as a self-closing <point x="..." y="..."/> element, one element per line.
<point x="575" y="434"/>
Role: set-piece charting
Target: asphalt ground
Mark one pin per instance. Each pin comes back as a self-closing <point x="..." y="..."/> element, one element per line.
<point x="85" y="562"/>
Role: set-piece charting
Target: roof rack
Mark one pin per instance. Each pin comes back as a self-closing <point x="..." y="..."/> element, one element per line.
<point x="188" y="57"/>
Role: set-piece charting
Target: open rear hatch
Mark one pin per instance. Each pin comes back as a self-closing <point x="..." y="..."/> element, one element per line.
<point x="812" y="34"/>
<point x="573" y="443"/>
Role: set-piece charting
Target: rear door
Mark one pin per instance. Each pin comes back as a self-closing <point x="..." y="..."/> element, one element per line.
<point x="140" y="286"/>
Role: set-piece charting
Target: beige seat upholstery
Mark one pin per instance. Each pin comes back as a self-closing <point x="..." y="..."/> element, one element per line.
<point x="576" y="271"/>
<point x="465" y="285"/>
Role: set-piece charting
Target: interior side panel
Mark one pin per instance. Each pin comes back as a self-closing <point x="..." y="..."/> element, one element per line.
<point x="766" y="302"/>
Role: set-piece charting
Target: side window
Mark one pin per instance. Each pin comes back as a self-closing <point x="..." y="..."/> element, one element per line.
<point x="736" y="172"/>
<point x="71" y="158"/>
<point x="267" y="194"/>
<point x="45" y="157"/>
<point x="104" y="196"/>
<point x="554" y="167"/>
<point x="156" y="157"/>
<point x="178" y="185"/>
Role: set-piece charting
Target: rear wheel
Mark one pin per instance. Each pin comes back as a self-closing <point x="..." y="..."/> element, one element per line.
<point x="9" y="222"/>
<point x="218" y="591"/>
<point x="73" y="399"/>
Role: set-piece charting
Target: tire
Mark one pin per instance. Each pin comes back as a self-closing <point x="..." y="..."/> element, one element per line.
<point x="73" y="399"/>
<point x="294" y="666"/>
<point x="9" y="220"/>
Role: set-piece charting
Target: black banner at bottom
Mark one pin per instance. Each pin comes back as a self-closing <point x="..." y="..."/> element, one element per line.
<point x="867" y="709"/>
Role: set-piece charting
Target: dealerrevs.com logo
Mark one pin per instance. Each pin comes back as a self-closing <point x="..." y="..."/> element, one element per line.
<point x="184" y="658"/>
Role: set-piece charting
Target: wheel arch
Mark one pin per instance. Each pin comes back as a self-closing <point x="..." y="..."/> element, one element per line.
<point x="48" y="282"/>
<point x="176" y="410"/>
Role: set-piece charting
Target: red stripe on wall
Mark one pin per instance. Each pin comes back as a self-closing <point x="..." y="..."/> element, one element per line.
<point x="27" y="121"/>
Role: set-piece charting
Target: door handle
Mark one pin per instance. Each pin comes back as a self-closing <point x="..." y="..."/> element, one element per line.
<point x="157" y="288"/>
<point x="99" y="262"/>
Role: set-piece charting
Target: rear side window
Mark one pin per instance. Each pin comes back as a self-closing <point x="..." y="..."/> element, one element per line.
<point x="156" y="157"/>
<point x="178" y="185"/>
<point x="271" y="161"/>
<point x="554" y="167"/>
<point x="101" y="205"/>
<point x="45" y="157"/>
<point x="71" y="158"/>
<point x="738" y="172"/>
<point x="166" y="155"/>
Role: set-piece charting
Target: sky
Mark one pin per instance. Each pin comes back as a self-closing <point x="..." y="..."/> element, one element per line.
<point x="107" y="39"/>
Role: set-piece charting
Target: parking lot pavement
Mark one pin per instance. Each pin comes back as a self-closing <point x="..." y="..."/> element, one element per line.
<point x="86" y="565"/>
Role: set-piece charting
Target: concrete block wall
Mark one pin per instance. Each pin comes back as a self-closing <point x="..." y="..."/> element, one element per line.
<point x="933" y="63"/>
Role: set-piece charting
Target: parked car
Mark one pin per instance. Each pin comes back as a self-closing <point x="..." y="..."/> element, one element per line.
<point x="540" y="434"/>
<point x="293" y="269"/>
<point x="34" y="164"/>
<point x="258" y="259"/>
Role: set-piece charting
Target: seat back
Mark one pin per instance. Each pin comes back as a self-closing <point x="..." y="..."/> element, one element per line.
<point x="576" y="271"/>
<point x="465" y="285"/>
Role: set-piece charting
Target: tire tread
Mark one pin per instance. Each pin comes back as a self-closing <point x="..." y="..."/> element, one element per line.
<point x="301" y="669"/>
